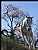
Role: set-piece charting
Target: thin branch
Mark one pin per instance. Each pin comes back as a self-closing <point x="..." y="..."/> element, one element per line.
<point x="7" y="22"/>
<point x="35" y="24"/>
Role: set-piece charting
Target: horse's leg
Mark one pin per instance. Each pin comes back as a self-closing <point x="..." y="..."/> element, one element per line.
<point x="24" y="41"/>
<point x="33" y="45"/>
<point x="29" y="41"/>
<point x="29" y="44"/>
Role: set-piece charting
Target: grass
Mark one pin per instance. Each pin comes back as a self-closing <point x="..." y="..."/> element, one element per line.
<point x="14" y="44"/>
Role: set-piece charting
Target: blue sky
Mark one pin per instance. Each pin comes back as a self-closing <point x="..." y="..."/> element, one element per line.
<point x="29" y="6"/>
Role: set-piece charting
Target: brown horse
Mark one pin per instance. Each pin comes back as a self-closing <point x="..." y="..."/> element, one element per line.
<point x="18" y="31"/>
<point x="26" y="29"/>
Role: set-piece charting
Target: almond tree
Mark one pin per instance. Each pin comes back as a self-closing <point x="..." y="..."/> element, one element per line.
<point x="11" y="12"/>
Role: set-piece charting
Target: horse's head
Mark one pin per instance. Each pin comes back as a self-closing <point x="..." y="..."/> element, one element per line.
<point x="27" y="23"/>
<point x="29" y="20"/>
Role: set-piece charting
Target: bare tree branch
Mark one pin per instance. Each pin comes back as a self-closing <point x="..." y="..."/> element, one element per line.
<point x="7" y="22"/>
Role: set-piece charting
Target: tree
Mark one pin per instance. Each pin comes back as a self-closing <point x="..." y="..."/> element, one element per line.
<point x="36" y="29"/>
<point x="35" y="25"/>
<point x="11" y="13"/>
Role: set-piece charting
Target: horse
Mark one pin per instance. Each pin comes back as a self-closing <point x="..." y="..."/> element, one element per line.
<point x="26" y="30"/>
<point x="18" y="33"/>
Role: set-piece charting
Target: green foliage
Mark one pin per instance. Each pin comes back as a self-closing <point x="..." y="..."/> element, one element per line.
<point x="11" y="44"/>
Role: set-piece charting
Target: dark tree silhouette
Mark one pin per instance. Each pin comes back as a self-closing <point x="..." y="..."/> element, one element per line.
<point x="12" y="13"/>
